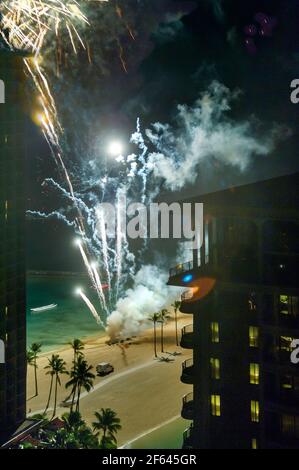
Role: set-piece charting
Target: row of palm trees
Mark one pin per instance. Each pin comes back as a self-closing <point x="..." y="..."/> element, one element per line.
<point x="81" y="378"/>
<point x="161" y="317"/>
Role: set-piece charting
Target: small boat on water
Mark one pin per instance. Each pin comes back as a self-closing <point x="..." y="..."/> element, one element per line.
<point x="43" y="309"/>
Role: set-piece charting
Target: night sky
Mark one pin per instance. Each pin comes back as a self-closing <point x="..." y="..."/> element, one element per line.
<point x="179" y="48"/>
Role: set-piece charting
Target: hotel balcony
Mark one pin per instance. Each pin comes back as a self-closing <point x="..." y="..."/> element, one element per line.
<point x="182" y="274"/>
<point x="236" y="264"/>
<point x="187" y="376"/>
<point x="187" y="304"/>
<point x="188" y="406"/>
<point x="181" y="269"/>
<point x="188" y="438"/>
<point x="187" y="338"/>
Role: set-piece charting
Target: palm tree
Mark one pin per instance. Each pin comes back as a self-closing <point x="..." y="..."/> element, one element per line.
<point x="81" y="377"/>
<point x="30" y="358"/>
<point x="59" y="369"/>
<point x="81" y="434"/>
<point x="155" y="318"/>
<point x="56" y="366"/>
<point x="72" y="420"/>
<point x="164" y="315"/>
<point x="50" y="366"/>
<point x="35" y="349"/>
<point x="176" y="306"/>
<point x="77" y="347"/>
<point x="109" y="424"/>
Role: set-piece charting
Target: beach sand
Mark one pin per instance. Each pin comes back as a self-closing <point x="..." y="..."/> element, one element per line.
<point x="144" y="392"/>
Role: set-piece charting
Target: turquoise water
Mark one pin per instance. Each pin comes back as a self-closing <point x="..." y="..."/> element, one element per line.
<point x="71" y="319"/>
<point x="169" y="436"/>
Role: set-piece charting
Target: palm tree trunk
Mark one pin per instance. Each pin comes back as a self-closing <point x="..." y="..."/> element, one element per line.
<point x="55" y="397"/>
<point x="78" y="399"/>
<point x="70" y="394"/>
<point x="155" y="339"/>
<point x="176" y="327"/>
<point x="162" y="337"/>
<point x="49" y="397"/>
<point x="35" y="377"/>
<point x="103" y="439"/>
<point x="73" y="397"/>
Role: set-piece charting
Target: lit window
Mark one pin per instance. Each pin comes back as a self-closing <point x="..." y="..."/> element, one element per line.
<point x="285" y="343"/>
<point x="254" y="374"/>
<point x="215" y="405"/>
<point x="290" y="425"/>
<point x="215" y="368"/>
<point x="254" y="443"/>
<point x="253" y="336"/>
<point x="215" y="332"/>
<point x="255" y="411"/>
<point x="289" y="305"/>
<point x="287" y="382"/>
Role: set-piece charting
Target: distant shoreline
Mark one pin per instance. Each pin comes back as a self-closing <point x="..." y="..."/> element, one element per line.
<point x="39" y="273"/>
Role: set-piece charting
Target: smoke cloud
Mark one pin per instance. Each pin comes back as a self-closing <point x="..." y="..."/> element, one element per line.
<point x="148" y="295"/>
<point x="204" y="133"/>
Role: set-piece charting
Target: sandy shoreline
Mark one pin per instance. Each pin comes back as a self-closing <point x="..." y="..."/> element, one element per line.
<point x="144" y="392"/>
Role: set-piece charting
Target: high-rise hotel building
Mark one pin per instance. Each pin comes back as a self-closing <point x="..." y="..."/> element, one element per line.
<point x="12" y="246"/>
<point x="242" y="390"/>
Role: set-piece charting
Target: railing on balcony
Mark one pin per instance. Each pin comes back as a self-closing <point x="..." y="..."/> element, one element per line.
<point x="187" y="295"/>
<point x="187" y="372"/>
<point x="187" y="338"/>
<point x="187" y="364"/>
<point x="181" y="268"/>
<point x="188" y="438"/>
<point x="187" y="330"/>
<point x="188" y="406"/>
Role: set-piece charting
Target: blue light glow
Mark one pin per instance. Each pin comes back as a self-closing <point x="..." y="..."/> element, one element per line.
<point x="187" y="278"/>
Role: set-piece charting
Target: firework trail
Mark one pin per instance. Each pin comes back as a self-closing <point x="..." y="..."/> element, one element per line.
<point x="103" y="235"/>
<point x="99" y="286"/>
<point x="51" y="29"/>
<point x="31" y="25"/>
<point x="91" y="308"/>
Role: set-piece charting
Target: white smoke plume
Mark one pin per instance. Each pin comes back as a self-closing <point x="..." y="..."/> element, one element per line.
<point x="148" y="295"/>
<point x="205" y="133"/>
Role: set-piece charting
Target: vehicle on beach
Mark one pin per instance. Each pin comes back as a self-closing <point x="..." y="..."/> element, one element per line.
<point x="104" y="368"/>
<point x="43" y="309"/>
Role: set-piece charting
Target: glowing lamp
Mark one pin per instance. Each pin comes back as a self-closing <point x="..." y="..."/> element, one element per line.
<point x="187" y="278"/>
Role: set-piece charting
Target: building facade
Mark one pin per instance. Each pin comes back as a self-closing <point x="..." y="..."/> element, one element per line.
<point x="12" y="246"/>
<point x="243" y="292"/>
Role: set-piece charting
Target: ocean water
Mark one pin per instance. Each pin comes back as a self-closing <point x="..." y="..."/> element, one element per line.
<point x="169" y="436"/>
<point x="70" y="319"/>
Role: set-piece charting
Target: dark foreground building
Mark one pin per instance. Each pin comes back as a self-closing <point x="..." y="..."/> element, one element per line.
<point x="244" y="298"/>
<point x="12" y="252"/>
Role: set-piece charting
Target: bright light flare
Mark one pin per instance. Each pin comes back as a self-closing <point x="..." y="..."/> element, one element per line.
<point x="115" y="148"/>
<point x="77" y="242"/>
